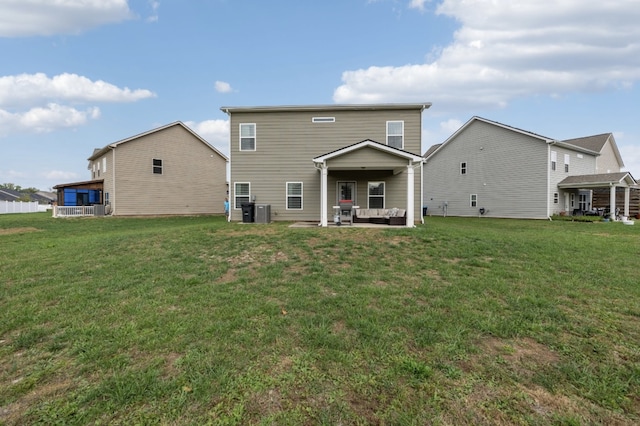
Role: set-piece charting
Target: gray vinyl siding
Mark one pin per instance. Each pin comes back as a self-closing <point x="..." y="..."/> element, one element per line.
<point x="607" y="161"/>
<point x="287" y="142"/>
<point x="193" y="179"/>
<point x="506" y="169"/>
<point x="577" y="166"/>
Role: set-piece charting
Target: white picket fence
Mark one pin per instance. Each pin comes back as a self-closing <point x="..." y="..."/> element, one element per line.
<point x="21" y="207"/>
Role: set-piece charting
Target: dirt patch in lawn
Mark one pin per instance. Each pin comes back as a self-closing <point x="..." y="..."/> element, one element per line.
<point x="13" y="231"/>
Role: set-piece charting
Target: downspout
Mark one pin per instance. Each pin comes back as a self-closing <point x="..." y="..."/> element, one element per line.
<point x="226" y="111"/>
<point x="112" y="198"/>
<point x="549" y="143"/>
<point x="422" y="190"/>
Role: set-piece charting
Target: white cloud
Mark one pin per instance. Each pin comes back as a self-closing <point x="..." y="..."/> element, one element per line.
<point x="154" y="5"/>
<point x="45" y="119"/>
<point x="631" y="156"/>
<point x="508" y="49"/>
<point x="417" y="4"/>
<point x="22" y="18"/>
<point x="223" y="87"/>
<point x="37" y="103"/>
<point x="60" y="176"/>
<point x="27" y="89"/>
<point x="216" y="132"/>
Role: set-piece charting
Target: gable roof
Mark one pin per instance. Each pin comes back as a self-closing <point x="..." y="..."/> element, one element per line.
<point x="371" y="144"/>
<point x="98" y="152"/>
<point x="435" y="148"/>
<point x="596" y="143"/>
<point x="600" y="180"/>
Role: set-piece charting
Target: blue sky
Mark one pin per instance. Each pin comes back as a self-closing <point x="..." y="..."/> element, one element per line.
<point x="79" y="74"/>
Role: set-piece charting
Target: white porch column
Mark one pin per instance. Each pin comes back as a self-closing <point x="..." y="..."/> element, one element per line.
<point x="410" y="196"/>
<point x="323" y="195"/>
<point x="612" y="203"/>
<point x="627" y="190"/>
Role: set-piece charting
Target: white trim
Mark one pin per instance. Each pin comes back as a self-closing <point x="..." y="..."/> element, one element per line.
<point x="384" y="193"/>
<point x="371" y="144"/>
<point x="473" y="198"/>
<point x="323" y="119"/>
<point x="255" y="136"/>
<point x="286" y="201"/>
<point x="401" y="133"/>
<point x="235" y="196"/>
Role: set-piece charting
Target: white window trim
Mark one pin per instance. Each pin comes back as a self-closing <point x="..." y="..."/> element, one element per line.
<point x="153" y="166"/>
<point x="235" y="195"/>
<point x="554" y="160"/>
<point x="473" y="198"/>
<point x="104" y="165"/>
<point x="465" y="168"/>
<point x="402" y="133"/>
<point x="384" y="193"/>
<point x="255" y="136"/>
<point x="567" y="160"/>
<point x="556" y="198"/>
<point x="301" y="196"/>
<point x="323" y="119"/>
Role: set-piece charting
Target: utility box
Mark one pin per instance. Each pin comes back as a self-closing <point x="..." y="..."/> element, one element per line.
<point x="98" y="210"/>
<point x="263" y="213"/>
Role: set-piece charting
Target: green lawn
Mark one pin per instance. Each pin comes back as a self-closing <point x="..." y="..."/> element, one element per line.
<point x="193" y="320"/>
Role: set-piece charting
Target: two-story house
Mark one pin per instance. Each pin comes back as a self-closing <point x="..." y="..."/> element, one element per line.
<point x="302" y="160"/>
<point x="169" y="170"/>
<point x="488" y="168"/>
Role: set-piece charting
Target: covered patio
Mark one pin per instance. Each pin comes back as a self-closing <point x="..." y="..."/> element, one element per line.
<point x="385" y="174"/>
<point x="610" y="181"/>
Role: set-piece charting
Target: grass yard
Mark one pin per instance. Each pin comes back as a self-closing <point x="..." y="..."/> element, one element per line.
<point x="191" y="320"/>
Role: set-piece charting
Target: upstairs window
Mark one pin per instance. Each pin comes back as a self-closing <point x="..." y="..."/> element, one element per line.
<point x="157" y="166"/>
<point x="294" y="195"/>
<point x="247" y="137"/>
<point x="463" y="168"/>
<point x="566" y="162"/>
<point x="395" y="134"/>
<point x="104" y="164"/>
<point x="554" y="159"/>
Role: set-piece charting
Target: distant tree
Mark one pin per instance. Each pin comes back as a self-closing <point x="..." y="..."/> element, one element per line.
<point x="11" y="186"/>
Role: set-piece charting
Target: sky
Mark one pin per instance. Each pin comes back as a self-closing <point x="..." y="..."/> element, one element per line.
<point x="76" y="75"/>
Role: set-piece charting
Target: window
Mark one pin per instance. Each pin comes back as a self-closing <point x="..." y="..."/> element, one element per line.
<point x="94" y="171"/>
<point x="376" y="195"/>
<point x="323" y="120"/>
<point x="104" y="164"/>
<point x="473" y="200"/>
<point x="554" y="159"/>
<point x="241" y="194"/>
<point x="157" y="166"/>
<point x="294" y="195"/>
<point x="247" y="137"/>
<point x="573" y="200"/>
<point x="566" y="162"/>
<point x="395" y="134"/>
<point x="556" y="198"/>
<point x="463" y="168"/>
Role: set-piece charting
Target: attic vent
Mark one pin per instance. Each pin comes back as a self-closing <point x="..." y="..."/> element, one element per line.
<point x="323" y="120"/>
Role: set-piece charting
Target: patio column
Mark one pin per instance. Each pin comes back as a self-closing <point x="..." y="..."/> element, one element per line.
<point x="612" y="203"/>
<point x="410" y="196"/>
<point x="323" y="195"/>
<point x="627" y="190"/>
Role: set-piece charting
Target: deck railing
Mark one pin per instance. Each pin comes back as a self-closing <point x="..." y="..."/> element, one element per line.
<point x="73" y="211"/>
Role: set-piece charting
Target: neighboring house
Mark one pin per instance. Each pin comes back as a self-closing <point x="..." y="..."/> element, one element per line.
<point x="165" y="171"/>
<point x="488" y="168"/>
<point x="40" y="197"/>
<point x="301" y="160"/>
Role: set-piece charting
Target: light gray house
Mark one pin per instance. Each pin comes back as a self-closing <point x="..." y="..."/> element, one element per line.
<point x="169" y="170"/>
<point x="491" y="169"/>
<point x="302" y="160"/>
